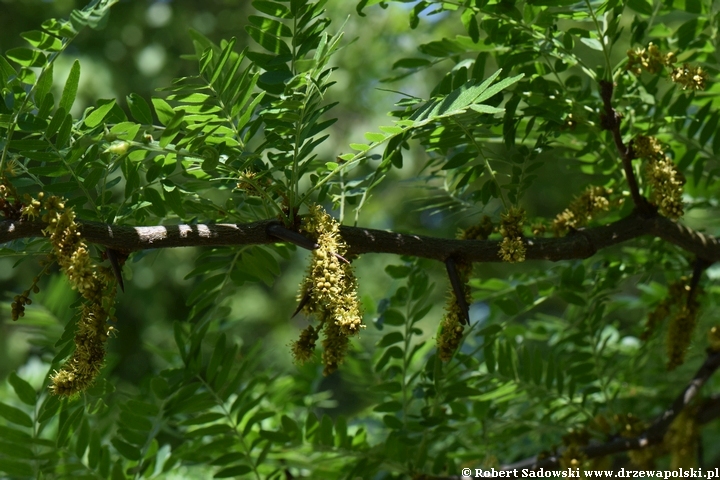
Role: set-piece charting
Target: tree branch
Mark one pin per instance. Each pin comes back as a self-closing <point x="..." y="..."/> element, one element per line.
<point x="581" y="244"/>
<point x="654" y="434"/>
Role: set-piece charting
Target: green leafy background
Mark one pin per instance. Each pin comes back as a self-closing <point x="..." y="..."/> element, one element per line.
<point x="199" y="381"/>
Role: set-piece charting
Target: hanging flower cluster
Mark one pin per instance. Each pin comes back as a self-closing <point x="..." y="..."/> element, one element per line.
<point x="682" y="308"/>
<point x="573" y="457"/>
<point x="450" y="330"/>
<point x="681" y="440"/>
<point x="512" y="247"/>
<point x="662" y="175"/>
<point x="94" y="283"/>
<point x="582" y="209"/>
<point x="480" y="231"/>
<point x="330" y="291"/>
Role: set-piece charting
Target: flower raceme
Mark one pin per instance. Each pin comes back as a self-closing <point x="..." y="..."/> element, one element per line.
<point x="330" y="291"/>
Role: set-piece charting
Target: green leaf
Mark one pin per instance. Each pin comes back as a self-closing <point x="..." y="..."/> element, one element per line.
<point x="42" y="40"/>
<point x="163" y="110"/>
<point x="388" y="407"/>
<point x="268" y="41"/>
<point x="325" y="432"/>
<point x="49" y="408"/>
<point x="271" y="26"/>
<point x="459" y="160"/>
<point x="69" y="420"/>
<point x="44" y="86"/>
<point x="593" y="43"/>
<point x="16" y="468"/>
<point x="393" y="317"/>
<point x="502" y="391"/>
<point x="217" y="355"/>
<point x="391" y="339"/>
<point x="7" y="71"/>
<point x="139" y="109"/>
<point x="224" y="57"/>
<point x="23" y="389"/>
<point x="487" y="109"/>
<point x="272" y="8"/>
<point x="125" y="449"/>
<point x="71" y="86"/>
<point x="235" y="471"/>
<point x="411" y="63"/>
<point x="398" y="271"/>
<point x="82" y="438"/>
<point x="157" y="204"/>
<point x="375" y="137"/>
<point x="98" y="115"/>
<point x="15" y="415"/>
<point x="14" y="435"/>
<point x="572" y="298"/>
<point x="27" y="57"/>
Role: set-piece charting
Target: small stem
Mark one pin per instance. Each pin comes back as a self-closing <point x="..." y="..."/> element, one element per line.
<point x="610" y="120"/>
<point x="487" y="164"/>
<point x="606" y="53"/>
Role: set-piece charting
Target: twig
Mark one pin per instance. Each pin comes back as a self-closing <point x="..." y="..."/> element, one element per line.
<point x="610" y="120"/>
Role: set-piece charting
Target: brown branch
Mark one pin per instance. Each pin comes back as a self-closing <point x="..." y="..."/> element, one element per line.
<point x="365" y="240"/>
<point x="654" y="434"/>
<point x="610" y="120"/>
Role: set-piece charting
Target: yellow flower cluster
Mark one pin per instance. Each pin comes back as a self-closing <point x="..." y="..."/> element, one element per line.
<point x="251" y="183"/>
<point x="662" y="175"/>
<point x="689" y="77"/>
<point x="681" y="440"/>
<point x="582" y="209"/>
<point x="647" y="147"/>
<point x="331" y="287"/>
<point x="649" y="59"/>
<point x="667" y="186"/>
<point x="714" y="339"/>
<point x="629" y="426"/>
<point x="93" y="283"/>
<point x="652" y="61"/>
<point x="512" y="247"/>
<point x="450" y="330"/>
<point x="303" y="348"/>
<point x="573" y="457"/>
<point x="480" y="231"/>
<point x="683" y="313"/>
<point x="19" y="302"/>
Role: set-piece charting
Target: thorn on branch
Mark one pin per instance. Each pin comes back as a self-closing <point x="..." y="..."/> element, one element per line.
<point x="276" y="230"/>
<point x="304" y="301"/>
<point x="116" y="261"/>
<point x="698" y="268"/>
<point x="458" y="290"/>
